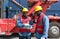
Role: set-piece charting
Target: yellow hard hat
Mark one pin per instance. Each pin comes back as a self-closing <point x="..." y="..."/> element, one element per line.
<point x="24" y="10"/>
<point x="38" y="8"/>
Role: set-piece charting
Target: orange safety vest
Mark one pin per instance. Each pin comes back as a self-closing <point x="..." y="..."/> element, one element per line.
<point x="24" y="21"/>
<point x="40" y="26"/>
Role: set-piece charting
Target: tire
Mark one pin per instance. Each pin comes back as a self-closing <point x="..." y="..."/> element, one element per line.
<point x="54" y="30"/>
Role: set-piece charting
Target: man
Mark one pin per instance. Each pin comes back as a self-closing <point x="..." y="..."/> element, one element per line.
<point x="42" y="22"/>
<point x="25" y="23"/>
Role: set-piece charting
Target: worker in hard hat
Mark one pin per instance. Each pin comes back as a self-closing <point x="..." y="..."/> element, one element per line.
<point x="42" y="23"/>
<point x="25" y="23"/>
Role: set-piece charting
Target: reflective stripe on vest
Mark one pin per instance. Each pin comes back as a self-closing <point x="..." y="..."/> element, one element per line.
<point x="24" y="30"/>
<point x="40" y="27"/>
<point x="24" y="21"/>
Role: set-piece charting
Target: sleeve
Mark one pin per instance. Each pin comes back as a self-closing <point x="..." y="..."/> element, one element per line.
<point x="46" y="26"/>
<point x="19" y="23"/>
<point x="31" y="22"/>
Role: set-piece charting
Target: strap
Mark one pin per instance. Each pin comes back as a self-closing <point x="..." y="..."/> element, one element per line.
<point x="40" y="19"/>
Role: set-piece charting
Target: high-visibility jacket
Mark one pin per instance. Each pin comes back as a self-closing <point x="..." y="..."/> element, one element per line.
<point x="40" y="25"/>
<point x="25" y="21"/>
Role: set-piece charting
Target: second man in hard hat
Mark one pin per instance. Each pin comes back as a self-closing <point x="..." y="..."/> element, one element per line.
<point x="42" y="23"/>
<point x="25" y="23"/>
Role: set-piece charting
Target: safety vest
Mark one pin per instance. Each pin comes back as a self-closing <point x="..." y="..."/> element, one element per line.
<point x="24" y="21"/>
<point x="40" y="26"/>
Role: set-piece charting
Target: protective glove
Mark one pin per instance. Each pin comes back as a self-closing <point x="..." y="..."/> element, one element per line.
<point x="27" y="26"/>
<point x="42" y="37"/>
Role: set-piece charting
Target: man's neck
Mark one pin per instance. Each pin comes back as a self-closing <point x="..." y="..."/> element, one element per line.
<point x="24" y="17"/>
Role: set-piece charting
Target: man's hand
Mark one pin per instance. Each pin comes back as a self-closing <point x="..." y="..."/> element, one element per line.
<point x="33" y="29"/>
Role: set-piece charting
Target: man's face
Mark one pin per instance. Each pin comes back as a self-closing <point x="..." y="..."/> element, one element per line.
<point x="25" y="13"/>
<point x="38" y="13"/>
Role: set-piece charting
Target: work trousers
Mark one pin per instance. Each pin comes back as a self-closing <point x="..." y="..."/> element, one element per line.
<point x="24" y="37"/>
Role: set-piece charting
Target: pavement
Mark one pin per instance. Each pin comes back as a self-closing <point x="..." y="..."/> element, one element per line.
<point x="18" y="38"/>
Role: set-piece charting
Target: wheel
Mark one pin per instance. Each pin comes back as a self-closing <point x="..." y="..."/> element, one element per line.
<point x="54" y="30"/>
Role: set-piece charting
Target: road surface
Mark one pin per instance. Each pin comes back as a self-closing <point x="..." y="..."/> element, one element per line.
<point x="18" y="38"/>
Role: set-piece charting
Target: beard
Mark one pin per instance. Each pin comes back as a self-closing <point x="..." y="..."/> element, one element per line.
<point x="25" y="16"/>
<point x="38" y="14"/>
